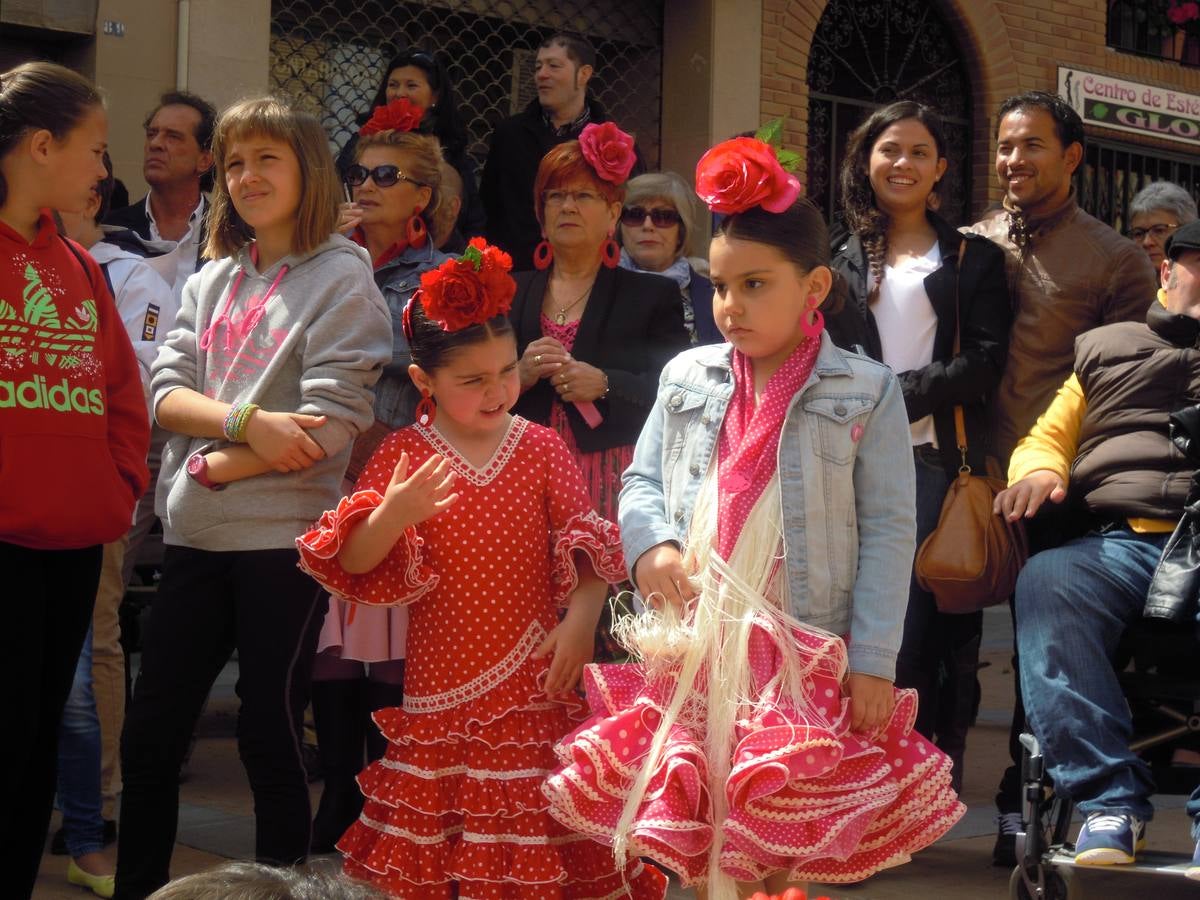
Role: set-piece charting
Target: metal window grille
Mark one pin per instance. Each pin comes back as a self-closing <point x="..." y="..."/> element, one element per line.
<point x="1113" y="173"/>
<point x="1146" y="27"/>
<point x="328" y="57"/>
<point x="868" y="54"/>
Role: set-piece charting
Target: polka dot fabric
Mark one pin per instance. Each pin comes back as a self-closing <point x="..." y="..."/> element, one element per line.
<point x="454" y="808"/>
<point x="805" y="795"/>
<point x="748" y="445"/>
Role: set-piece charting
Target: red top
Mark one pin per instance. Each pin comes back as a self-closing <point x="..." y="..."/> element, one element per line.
<point x="73" y="428"/>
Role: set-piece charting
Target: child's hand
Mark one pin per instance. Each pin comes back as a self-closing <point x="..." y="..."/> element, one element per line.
<point x="659" y="573"/>
<point x="282" y="441"/>
<point x="872" y="700"/>
<point x="410" y="499"/>
<point x="573" y="642"/>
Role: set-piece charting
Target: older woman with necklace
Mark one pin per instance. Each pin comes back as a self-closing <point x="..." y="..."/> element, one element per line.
<point x="592" y="337"/>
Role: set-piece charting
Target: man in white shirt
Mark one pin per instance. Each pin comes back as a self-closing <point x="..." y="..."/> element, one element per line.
<point x="178" y="167"/>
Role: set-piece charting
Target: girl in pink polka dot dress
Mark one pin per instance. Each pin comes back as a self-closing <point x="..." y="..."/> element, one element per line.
<point x="759" y="742"/>
<point x="481" y="521"/>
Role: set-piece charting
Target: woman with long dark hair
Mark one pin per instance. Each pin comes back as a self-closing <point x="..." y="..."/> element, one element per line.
<point x="421" y="77"/>
<point x="913" y="283"/>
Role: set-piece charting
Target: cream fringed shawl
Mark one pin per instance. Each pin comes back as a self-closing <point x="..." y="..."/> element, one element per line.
<point x="705" y="652"/>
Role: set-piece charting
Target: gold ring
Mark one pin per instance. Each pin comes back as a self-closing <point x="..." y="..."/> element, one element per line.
<point x="565" y="388"/>
<point x="537" y="360"/>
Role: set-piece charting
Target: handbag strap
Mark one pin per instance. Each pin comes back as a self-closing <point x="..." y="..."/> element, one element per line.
<point x="960" y="426"/>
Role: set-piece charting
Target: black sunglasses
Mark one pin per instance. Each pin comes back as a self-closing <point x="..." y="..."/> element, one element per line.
<point x="662" y="218"/>
<point x="383" y="176"/>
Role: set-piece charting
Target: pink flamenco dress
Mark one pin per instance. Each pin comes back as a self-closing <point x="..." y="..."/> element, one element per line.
<point x="725" y="754"/>
<point x="454" y="808"/>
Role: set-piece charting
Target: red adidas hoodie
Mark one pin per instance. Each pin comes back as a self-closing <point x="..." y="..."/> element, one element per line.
<point x="73" y="427"/>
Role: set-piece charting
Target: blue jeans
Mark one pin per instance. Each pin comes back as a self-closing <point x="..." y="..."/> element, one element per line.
<point x="1072" y="605"/>
<point x="79" y="762"/>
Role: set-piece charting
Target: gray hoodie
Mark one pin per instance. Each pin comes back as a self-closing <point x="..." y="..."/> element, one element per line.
<point x="324" y="336"/>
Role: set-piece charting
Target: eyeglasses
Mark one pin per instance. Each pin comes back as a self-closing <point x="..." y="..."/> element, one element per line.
<point x="383" y="176"/>
<point x="558" y="198"/>
<point x="1158" y="232"/>
<point x="662" y="218"/>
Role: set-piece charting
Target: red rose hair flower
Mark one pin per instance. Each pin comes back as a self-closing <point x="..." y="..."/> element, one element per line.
<point x="470" y="290"/>
<point x="608" y="150"/>
<point x="399" y="115"/>
<point x="742" y="173"/>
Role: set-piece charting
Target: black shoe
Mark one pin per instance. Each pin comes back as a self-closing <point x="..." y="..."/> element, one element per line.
<point x="1004" y="853"/>
<point x="58" y="843"/>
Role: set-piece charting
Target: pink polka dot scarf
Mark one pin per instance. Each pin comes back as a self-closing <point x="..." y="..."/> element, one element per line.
<point x="748" y="448"/>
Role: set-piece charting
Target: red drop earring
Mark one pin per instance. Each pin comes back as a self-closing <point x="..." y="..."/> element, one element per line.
<point x="812" y="321"/>
<point x="543" y="256"/>
<point x="426" y="410"/>
<point x="610" y="252"/>
<point x="415" y="231"/>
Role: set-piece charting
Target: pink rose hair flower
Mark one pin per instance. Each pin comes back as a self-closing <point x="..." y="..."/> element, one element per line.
<point x="399" y="115"/>
<point x="608" y="150"/>
<point x="739" y="174"/>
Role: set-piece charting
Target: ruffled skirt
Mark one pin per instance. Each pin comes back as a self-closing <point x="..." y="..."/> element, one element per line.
<point x="457" y="799"/>
<point x="804" y="795"/>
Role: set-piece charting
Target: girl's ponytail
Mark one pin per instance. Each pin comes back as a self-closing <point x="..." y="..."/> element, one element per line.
<point x="41" y="95"/>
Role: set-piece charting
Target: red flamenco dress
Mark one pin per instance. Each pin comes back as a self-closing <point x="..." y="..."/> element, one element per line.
<point x="454" y="808"/>
<point x="726" y="753"/>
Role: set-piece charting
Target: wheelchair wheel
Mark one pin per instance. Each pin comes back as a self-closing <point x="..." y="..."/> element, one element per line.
<point x="1059" y="886"/>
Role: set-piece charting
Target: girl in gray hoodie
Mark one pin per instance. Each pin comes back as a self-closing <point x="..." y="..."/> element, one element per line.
<point x="265" y="382"/>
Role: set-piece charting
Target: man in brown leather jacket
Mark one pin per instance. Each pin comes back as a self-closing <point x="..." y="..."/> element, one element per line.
<point x="1104" y="440"/>
<point x="1067" y="273"/>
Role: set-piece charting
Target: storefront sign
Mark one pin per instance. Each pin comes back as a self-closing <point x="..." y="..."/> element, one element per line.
<point x="1129" y="106"/>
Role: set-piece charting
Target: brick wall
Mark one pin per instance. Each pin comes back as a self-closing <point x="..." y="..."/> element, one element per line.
<point x="1009" y="45"/>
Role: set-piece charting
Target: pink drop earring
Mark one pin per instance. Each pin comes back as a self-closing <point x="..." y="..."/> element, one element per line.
<point x="812" y="321"/>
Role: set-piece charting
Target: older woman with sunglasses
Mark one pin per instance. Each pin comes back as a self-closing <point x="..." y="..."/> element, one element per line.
<point x="397" y="202"/>
<point x="661" y="226"/>
<point x="421" y="78"/>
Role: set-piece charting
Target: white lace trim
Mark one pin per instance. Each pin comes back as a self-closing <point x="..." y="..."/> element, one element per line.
<point x="409" y="835"/>
<point x="477" y="774"/>
<point x="493" y="467"/>
<point x="525" y="840"/>
<point x="482" y="683"/>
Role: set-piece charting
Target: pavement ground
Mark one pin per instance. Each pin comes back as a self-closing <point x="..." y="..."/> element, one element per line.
<point x="216" y="820"/>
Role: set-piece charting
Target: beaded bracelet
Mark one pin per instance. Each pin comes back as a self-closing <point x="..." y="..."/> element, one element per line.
<point x="605" y="394"/>
<point x="236" y="421"/>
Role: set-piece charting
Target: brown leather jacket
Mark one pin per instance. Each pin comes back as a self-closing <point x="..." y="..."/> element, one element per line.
<point x="1067" y="273"/>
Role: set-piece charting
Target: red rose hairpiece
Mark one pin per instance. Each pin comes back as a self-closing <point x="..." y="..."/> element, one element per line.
<point x="469" y="290"/>
<point x="608" y="150"/>
<point x="739" y="174"/>
<point x="399" y="115"/>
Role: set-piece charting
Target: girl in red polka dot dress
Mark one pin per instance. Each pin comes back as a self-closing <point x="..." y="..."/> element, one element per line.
<point x="759" y="742"/>
<point x="481" y="521"/>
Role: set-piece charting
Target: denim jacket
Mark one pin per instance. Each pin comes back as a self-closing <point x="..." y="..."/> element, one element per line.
<point x="846" y="476"/>
<point x="395" y="395"/>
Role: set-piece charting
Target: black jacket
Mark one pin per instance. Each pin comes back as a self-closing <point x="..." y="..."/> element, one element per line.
<point x="518" y="145"/>
<point x="967" y="379"/>
<point x="631" y="327"/>
<point x="136" y="219"/>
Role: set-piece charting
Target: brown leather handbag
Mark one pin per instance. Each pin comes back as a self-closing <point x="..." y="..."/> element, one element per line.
<point x="973" y="557"/>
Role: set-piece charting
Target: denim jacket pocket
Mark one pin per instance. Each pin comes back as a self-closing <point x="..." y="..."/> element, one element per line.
<point x="682" y="406"/>
<point x="833" y="421"/>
